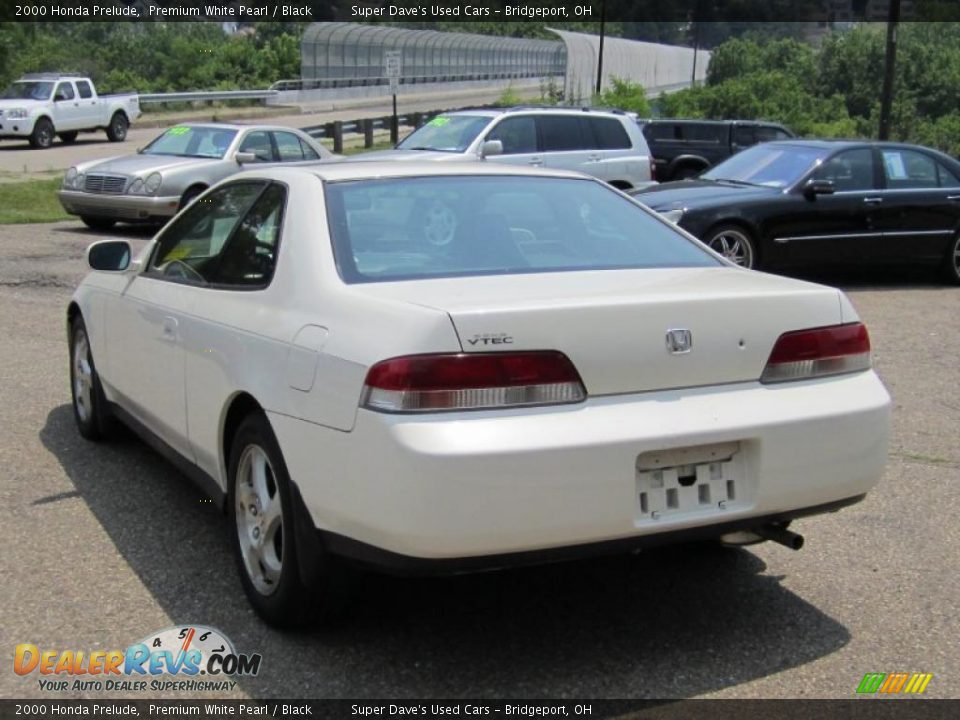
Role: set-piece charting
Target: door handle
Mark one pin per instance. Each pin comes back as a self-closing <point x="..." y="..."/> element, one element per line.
<point x="873" y="200"/>
<point x="536" y="162"/>
<point x="593" y="158"/>
<point x="954" y="198"/>
<point x="170" y="329"/>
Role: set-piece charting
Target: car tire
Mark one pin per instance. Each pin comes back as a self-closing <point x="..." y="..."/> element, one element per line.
<point x="90" y="409"/>
<point x="95" y="222"/>
<point x="189" y="196"/>
<point x="264" y="535"/>
<point x="117" y="129"/>
<point x="951" y="263"/>
<point x="735" y="243"/>
<point x="68" y="138"/>
<point x="43" y="133"/>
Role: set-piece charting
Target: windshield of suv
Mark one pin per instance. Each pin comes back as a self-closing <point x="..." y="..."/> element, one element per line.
<point x="446" y="133"/>
<point x="28" y="91"/>
<point x="414" y="228"/>
<point x="770" y="165"/>
<point x="192" y="141"/>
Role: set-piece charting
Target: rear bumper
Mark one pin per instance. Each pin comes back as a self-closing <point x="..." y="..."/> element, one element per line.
<point x="121" y="207"/>
<point x="385" y="561"/>
<point x="471" y="485"/>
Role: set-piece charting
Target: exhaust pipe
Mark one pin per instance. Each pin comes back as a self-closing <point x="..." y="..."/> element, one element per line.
<point x="780" y="535"/>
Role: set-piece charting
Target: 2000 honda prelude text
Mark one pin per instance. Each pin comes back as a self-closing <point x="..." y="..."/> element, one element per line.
<point x="461" y="367"/>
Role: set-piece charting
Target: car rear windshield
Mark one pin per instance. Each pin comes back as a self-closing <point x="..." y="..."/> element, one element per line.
<point x="452" y="226"/>
<point x="28" y="91"/>
<point x="446" y="133"/>
<point x="771" y="165"/>
<point x="192" y="141"/>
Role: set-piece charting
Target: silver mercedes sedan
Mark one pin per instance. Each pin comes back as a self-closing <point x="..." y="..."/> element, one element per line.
<point x="165" y="176"/>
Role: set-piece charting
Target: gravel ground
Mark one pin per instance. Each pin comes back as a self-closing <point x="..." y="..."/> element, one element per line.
<point x="106" y="544"/>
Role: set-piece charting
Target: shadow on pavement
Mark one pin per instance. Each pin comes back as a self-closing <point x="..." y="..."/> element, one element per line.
<point x="669" y="623"/>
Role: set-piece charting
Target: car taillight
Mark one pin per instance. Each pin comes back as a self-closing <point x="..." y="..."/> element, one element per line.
<point x="468" y="381"/>
<point x="818" y="352"/>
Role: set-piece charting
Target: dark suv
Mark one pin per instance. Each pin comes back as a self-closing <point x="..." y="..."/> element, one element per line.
<point x="684" y="148"/>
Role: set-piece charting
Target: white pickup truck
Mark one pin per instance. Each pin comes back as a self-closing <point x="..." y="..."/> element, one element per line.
<point x="39" y="106"/>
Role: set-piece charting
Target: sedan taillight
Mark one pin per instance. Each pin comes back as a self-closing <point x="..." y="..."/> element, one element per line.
<point x="818" y="352"/>
<point x="467" y="381"/>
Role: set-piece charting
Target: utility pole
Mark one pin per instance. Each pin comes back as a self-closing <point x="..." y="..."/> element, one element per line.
<point x="603" y="23"/>
<point x="889" y="67"/>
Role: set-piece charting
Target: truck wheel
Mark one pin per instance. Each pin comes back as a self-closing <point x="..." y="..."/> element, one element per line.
<point x="42" y="135"/>
<point x="117" y="130"/>
<point x="68" y="138"/>
<point x="98" y="223"/>
<point x="686" y="171"/>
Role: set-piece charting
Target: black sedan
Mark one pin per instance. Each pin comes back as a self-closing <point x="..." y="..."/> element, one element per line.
<point x="805" y="202"/>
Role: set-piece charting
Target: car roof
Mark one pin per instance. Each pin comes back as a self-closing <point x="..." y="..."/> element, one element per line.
<point x="237" y="126"/>
<point x="695" y="121"/>
<point x="372" y="170"/>
<point x="493" y="112"/>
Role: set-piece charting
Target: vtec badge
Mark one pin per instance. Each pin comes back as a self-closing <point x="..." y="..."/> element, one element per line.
<point x="679" y="341"/>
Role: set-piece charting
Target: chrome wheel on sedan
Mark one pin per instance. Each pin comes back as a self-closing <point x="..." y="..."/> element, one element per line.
<point x="951" y="265"/>
<point x="286" y="575"/>
<point x="734" y="244"/>
<point x="259" y="517"/>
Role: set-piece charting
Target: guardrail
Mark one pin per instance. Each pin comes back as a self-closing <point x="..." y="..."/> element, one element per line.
<point x="336" y="130"/>
<point x="203" y="96"/>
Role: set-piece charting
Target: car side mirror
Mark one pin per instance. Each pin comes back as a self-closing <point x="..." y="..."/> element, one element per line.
<point x="819" y="187"/>
<point x="109" y="255"/>
<point x="491" y="147"/>
<point x="245" y="157"/>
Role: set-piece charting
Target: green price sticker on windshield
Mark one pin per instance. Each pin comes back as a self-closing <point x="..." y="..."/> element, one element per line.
<point x="179" y="130"/>
<point x="439" y="121"/>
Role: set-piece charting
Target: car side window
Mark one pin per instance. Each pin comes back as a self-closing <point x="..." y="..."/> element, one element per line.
<point x="609" y="134"/>
<point x="250" y="253"/>
<point x="308" y="152"/>
<point x="948" y="179"/>
<point x="518" y="135"/>
<point x="84" y="89"/>
<point x="189" y="248"/>
<point x="782" y="134"/>
<point x="849" y="171"/>
<point x="288" y="147"/>
<point x="907" y="169"/>
<point x="258" y="143"/>
<point x="64" y="92"/>
<point x="561" y="132"/>
<point x="744" y="136"/>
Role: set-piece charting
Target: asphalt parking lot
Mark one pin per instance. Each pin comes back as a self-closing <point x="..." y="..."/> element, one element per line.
<point x="105" y="544"/>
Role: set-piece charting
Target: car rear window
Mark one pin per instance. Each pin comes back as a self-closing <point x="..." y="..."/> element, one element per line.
<point x="451" y="226"/>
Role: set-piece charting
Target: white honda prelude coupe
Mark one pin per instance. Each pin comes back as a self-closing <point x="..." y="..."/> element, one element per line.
<point x="425" y="367"/>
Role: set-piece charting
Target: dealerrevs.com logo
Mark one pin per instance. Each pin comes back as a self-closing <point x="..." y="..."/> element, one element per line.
<point x="194" y="658"/>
